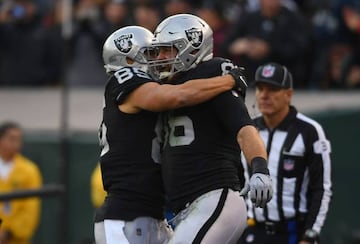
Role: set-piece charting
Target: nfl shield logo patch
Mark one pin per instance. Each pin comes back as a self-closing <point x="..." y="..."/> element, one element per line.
<point x="289" y="164"/>
<point x="268" y="71"/>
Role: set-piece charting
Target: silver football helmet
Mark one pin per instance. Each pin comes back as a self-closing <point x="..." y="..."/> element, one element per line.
<point x="131" y="42"/>
<point x="190" y="35"/>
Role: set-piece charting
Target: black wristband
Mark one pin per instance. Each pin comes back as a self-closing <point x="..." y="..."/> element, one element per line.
<point x="259" y="165"/>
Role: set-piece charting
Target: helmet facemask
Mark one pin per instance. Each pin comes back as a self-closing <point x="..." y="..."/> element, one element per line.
<point x="165" y="68"/>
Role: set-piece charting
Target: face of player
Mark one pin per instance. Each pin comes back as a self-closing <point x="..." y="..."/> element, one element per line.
<point x="166" y="58"/>
<point x="166" y="52"/>
<point x="272" y="101"/>
<point x="10" y="143"/>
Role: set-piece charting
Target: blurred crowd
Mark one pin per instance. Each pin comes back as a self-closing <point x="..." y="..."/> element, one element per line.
<point x="41" y="44"/>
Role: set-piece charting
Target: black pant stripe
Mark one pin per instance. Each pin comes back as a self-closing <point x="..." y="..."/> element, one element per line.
<point x="205" y="228"/>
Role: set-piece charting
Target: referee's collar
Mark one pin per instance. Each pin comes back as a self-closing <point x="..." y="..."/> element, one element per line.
<point x="284" y="124"/>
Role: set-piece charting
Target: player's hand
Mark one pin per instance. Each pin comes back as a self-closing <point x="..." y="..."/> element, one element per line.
<point x="238" y="73"/>
<point x="261" y="189"/>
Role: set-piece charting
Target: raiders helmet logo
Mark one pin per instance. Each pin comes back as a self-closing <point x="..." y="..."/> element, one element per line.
<point x="268" y="71"/>
<point x="195" y="36"/>
<point x="123" y="43"/>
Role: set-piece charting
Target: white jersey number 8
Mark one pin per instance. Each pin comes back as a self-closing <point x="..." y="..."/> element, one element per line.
<point x="126" y="74"/>
<point x="183" y="124"/>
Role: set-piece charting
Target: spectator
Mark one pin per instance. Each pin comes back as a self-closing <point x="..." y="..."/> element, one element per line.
<point x="344" y="60"/>
<point x="272" y="33"/>
<point x="20" y="217"/>
<point x="98" y="193"/>
<point x="115" y="15"/>
<point x="350" y="75"/>
<point x="213" y="13"/>
<point x="27" y="53"/>
<point x="85" y="64"/>
<point x="173" y="7"/>
<point x="147" y="14"/>
<point x="322" y="25"/>
<point x="299" y="164"/>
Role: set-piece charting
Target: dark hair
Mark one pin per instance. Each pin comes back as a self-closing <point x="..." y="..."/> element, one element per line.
<point x="7" y="126"/>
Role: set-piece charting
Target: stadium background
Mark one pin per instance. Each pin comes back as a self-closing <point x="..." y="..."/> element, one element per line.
<point x="41" y="112"/>
<point x="61" y="136"/>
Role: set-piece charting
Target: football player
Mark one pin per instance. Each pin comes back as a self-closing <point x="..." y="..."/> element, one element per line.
<point x="201" y="152"/>
<point x="133" y="211"/>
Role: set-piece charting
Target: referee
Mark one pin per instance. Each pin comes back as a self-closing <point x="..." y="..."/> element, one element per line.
<point x="299" y="164"/>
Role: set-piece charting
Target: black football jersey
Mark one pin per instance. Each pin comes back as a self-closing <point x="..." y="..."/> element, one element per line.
<point x="200" y="150"/>
<point x="131" y="175"/>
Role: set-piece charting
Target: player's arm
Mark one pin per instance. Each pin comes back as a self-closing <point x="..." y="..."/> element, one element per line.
<point x="260" y="184"/>
<point x="155" y="97"/>
<point x="251" y="143"/>
<point x="233" y="113"/>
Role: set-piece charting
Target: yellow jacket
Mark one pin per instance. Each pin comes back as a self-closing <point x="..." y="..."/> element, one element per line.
<point x="21" y="216"/>
<point x="97" y="190"/>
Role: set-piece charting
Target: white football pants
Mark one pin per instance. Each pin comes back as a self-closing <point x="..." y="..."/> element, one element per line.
<point x="142" y="230"/>
<point x="215" y="217"/>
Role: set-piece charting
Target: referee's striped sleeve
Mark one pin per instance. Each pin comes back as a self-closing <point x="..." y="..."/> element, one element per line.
<point x="320" y="177"/>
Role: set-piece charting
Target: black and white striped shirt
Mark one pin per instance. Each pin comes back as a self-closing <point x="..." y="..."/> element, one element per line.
<point x="300" y="167"/>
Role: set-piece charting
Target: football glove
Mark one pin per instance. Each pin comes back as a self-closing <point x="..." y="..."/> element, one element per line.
<point x="238" y="73"/>
<point x="261" y="189"/>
